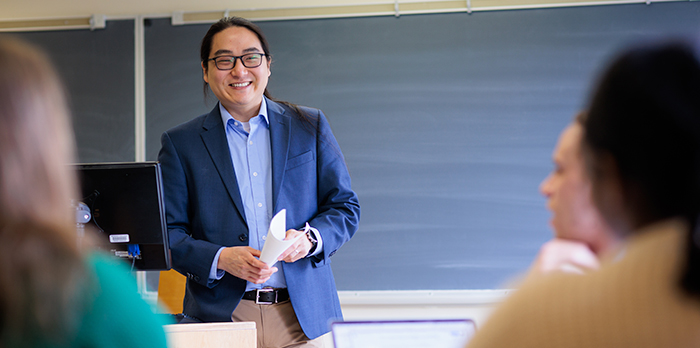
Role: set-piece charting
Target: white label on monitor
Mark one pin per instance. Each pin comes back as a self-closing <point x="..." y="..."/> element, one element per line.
<point x="119" y="238"/>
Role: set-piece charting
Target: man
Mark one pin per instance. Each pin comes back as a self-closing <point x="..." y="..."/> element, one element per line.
<point x="226" y="173"/>
<point x="581" y="234"/>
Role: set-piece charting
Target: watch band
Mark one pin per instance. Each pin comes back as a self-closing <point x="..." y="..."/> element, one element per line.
<point x="312" y="239"/>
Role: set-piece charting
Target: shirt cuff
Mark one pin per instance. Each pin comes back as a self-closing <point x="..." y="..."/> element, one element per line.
<point x="214" y="273"/>
<point x="319" y="245"/>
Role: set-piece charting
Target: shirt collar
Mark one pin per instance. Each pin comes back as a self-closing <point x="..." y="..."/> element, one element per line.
<point x="226" y="116"/>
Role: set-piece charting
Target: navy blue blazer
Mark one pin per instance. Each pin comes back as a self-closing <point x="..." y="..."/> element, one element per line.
<point x="204" y="210"/>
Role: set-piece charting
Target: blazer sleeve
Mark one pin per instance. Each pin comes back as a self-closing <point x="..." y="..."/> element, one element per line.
<point x="191" y="257"/>
<point x="338" y="206"/>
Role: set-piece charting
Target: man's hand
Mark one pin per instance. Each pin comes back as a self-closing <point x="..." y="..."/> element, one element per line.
<point x="298" y="250"/>
<point x="561" y="255"/>
<point x="243" y="262"/>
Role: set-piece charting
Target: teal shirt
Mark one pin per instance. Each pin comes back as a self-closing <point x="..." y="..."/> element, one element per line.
<point x="117" y="315"/>
<point x="111" y="314"/>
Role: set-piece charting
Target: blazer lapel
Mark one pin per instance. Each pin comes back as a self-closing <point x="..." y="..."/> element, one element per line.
<point x="280" y="130"/>
<point x="214" y="138"/>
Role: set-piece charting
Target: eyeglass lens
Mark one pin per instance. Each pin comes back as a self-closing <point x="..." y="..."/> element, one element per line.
<point x="251" y="60"/>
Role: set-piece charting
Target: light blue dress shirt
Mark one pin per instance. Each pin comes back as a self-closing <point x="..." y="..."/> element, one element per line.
<point x="251" y="156"/>
<point x="249" y="146"/>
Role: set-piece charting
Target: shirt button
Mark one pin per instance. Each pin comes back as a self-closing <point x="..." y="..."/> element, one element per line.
<point x="251" y="142"/>
<point x="264" y="237"/>
<point x="259" y="205"/>
<point x="255" y="173"/>
<point x="235" y="123"/>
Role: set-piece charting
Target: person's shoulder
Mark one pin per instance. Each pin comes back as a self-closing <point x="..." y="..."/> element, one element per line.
<point x="609" y="304"/>
<point x="109" y="272"/>
<point x="535" y="315"/>
<point x="115" y="314"/>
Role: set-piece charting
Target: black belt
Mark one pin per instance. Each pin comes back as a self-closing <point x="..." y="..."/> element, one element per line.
<point x="267" y="295"/>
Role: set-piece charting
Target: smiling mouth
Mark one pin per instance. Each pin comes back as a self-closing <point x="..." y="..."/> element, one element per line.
<point x="242" y="84"/>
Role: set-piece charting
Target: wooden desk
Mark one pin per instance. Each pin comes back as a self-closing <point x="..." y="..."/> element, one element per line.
<point x="211" y="335"/>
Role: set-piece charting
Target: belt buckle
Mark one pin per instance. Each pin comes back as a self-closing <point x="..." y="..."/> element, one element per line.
<point x="263" y="290"/>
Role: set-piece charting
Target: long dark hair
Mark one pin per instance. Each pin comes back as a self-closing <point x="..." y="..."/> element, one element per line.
<point x="228" y="22"/>
<point x="645" y="115"/>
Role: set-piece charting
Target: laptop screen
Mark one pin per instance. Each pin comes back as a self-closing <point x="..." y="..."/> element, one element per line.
<point x="450" y="333"/>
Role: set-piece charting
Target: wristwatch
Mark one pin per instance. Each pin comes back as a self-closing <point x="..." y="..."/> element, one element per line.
<point x="310" y="236"/>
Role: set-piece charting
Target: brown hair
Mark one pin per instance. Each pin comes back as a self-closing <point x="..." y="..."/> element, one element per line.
<point x="41" y="267"/>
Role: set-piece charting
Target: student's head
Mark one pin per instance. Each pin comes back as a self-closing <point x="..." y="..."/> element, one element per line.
<point x="239" y="86"/>
<point x="642" y="144"/>
<point x="642" y="137"/>
<point x="568" y="193"/>
<point x="40" y="264"/>
<point x="36" y="142"/>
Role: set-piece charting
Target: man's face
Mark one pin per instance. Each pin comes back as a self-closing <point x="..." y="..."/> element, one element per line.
<point x="240" y="89"/>
<point x="568" y="192"/>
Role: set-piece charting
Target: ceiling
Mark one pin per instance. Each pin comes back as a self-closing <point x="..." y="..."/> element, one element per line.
<point x="11" y="10"/>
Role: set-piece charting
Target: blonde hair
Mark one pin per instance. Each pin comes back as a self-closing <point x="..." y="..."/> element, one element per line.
<point x="41" y="267"/>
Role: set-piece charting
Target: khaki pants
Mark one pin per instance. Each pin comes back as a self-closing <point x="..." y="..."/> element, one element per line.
<point x="277" y="325"/>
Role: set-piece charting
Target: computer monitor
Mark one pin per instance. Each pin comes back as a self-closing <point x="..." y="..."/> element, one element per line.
<point x="123" y="202"/>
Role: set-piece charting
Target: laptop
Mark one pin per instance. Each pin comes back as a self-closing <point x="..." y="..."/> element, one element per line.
<point x="448" y="333"/>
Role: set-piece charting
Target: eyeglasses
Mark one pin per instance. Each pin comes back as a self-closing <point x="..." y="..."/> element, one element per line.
<point x="249" y="60"/>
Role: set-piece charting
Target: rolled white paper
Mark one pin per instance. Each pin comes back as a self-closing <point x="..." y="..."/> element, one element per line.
<point x="275" y="244"/>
